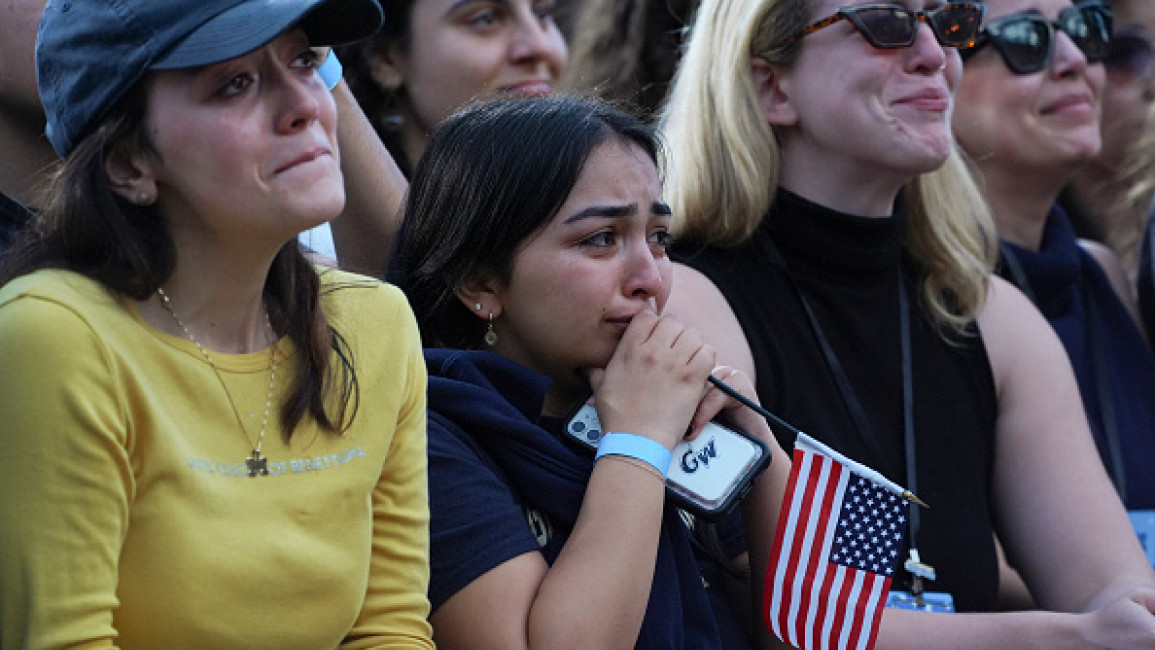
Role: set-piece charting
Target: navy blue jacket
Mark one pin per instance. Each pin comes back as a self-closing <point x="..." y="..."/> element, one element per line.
<point x="515" y="469"/>
<point x="1114" y="367"/>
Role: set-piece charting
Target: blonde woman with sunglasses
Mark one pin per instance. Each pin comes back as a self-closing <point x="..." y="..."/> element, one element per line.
<point x="1109" y="198"/>
<point x="1028" y="116"/>
<point x="843" y="257"/>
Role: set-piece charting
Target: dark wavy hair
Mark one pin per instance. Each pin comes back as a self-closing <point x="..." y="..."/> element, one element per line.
<point x="379" y="104"/>
<point x="86" y="227"/>
<point x="492" y="175"/>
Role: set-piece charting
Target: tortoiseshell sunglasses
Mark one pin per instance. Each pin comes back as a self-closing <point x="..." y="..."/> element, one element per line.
<point x="888" y="26"/>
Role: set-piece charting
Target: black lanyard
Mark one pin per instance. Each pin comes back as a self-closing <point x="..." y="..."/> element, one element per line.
<point x="862" y="424"/>
<point x="1098" y="352"/>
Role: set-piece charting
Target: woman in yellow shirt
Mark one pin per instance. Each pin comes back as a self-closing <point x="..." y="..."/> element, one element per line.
<point x="207" y="442"/>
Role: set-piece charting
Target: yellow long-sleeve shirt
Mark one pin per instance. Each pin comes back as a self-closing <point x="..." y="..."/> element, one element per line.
<point x="127" y="516"/>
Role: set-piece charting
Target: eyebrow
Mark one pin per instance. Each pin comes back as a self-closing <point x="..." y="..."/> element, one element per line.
<point x="617" y="211"/>
<point x="461" y="3"/>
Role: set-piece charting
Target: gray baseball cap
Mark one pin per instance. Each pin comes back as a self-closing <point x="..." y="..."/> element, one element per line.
<point x="89" y="53"/>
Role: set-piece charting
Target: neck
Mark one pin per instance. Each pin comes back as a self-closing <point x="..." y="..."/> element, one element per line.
<point x="413" y="141"/>
<point x="26" y="157"/>
<point x="850" y="191"/>
<point x="223" y="308"/>
<point x="1020" y="203"/>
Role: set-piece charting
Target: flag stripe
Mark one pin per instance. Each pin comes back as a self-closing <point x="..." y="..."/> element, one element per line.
<point x="876" y="605"/>
<point x="824" y="576"/>
<point x="772" y="605"/>
<point x="798" y="547"/>
<point x="820" y="532"/>
<point x="849" y="632"/>
<point x="835" y="590"/>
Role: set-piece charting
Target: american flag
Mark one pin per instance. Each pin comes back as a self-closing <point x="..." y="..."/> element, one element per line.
<point x="839" y="538"/>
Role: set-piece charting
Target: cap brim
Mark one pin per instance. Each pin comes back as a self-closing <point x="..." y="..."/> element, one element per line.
<point x="253" y="23"/>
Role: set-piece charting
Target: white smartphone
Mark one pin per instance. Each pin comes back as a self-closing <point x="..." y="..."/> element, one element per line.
<point x="708" y="474"/>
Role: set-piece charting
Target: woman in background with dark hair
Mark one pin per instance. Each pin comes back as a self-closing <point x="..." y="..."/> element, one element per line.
<point x="435" y="56"/>
<point x="626" y="51"/>
<point x="207" y="442"/>
<point x="534" y="245"/>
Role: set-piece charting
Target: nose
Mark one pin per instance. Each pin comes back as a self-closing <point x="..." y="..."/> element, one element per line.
<point x="537" y="40"/>
<point x="301" y="100"/>
<point x="1067" y="59"/>
<point x="643" y="272"/>
<point x="926" y="54"/>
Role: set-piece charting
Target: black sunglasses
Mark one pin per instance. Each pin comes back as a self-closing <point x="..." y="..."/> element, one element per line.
<point x="887" y="26"/>
<point x="1026" y="41"/>
<point x="1128" y="59"/>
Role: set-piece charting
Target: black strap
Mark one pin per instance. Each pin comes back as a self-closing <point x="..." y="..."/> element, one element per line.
<point x="908" y="405"/>
<point x="1098" y="352"/>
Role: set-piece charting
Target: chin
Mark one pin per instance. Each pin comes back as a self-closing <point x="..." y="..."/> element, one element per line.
<point x="318" y="204"/>
<point x="924" y="162"/>
<point x="1084" y="150"/>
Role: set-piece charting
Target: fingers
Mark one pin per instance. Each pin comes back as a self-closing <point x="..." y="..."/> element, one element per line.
<point x="653" y="342"/>
<point x="716" y="401"/>
<point x="655" y="379"/>
<point x="1146" y="598"/>
<point x="713" y="400"/>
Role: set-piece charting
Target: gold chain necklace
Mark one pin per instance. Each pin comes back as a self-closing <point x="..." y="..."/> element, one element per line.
<point x="258" y="465"/>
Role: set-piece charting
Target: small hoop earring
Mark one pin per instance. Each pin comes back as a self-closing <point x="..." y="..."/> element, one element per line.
<point x="490" y="335"/>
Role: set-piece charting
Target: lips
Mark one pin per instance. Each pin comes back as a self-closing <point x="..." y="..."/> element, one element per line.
<point x="931" y="99"/>
<point x="306" y="157"/>
<point x="529" y="88"/>
<point x="1069" y="103"/>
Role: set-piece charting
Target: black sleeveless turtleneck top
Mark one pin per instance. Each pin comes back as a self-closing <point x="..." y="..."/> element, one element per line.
<point x="848" y="269"/>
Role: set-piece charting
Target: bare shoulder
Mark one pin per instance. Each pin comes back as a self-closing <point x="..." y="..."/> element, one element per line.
<point x="696" y="301"/>
<point x="1048" y="482"/>
<point x="1017" y="337"/>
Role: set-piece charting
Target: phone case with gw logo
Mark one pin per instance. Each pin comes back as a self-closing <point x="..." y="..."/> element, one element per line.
<point x="708" y="474"/>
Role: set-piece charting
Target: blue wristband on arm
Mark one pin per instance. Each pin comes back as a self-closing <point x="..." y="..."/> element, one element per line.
<point x="634" y="446"/>
<point x="330" y="70"/>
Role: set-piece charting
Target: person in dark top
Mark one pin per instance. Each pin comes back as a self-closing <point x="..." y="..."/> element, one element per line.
<point x="626" y="51"/>
<point x="1109" y="198"/>
<point x="25" y="153"/>
<point x="542" y="273"/>
<point x="1145" y="281"/>
<point x="843" y="256"/>
<point x="1028" y="126"/>
<point x="13" y="217"/>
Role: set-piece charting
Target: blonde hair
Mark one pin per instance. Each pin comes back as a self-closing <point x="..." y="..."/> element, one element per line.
<point x="1118" y="198"/>
<point x="722" y="161"/>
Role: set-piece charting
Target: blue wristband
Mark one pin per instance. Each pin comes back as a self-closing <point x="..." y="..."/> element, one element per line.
<point x="330" y="70"/>
<point x="634" y="446"/>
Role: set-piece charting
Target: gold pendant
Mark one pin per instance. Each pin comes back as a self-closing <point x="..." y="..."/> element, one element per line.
<point x="258" y="465"/>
